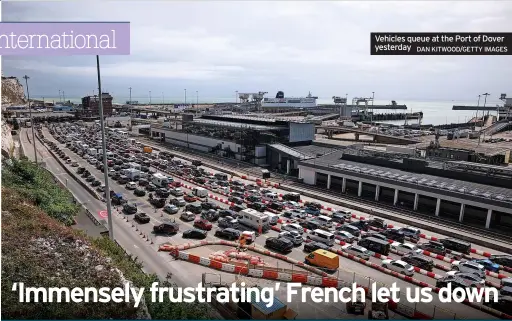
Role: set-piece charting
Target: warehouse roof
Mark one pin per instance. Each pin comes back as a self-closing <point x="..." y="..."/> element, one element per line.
<point x="442" y="183"/>
<point x="236" y="124"/>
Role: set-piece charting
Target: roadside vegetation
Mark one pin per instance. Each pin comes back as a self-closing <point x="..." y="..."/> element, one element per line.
<point x="40" y="250"/>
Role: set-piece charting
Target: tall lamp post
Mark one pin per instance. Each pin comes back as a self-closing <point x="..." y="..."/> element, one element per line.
<point x="185" y="96"/>
<point x="31" y="121"/>
<point x="104" y="150"/>
<point x="373" y="97"/>
<point x="59" y="96"/>
<point x="150" y="97"/>
<point x="130" y="95"/>
<point x="197" y="97"/>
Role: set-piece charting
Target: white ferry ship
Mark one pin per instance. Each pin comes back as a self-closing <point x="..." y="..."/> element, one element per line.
<point x="289" y="102"/>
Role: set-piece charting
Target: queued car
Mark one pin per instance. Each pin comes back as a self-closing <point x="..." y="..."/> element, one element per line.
<point x="468" y="276"/>
<point x="313" y="246"/>
<point x="171" y="209"/>
<point x="195" y="234"/>
<point x="228" y="233"/>
<point x="130" y="208"/>
<point x="469" y="267"/>
<point x="345" y="236"/>
<point x="398" y="266"/>
<point x="419" y="260"/>
<point x="357" y="251"/>
<point x="502" y="259"/>
<point x="434" y="247"/>
<point x="456" y="282"/>
<point x="279" y="244"/>
<point x="157" y="202"/>
<point x="404" y="248"/>
<point x="203" y="224"/>
<point x="349" y="228"/>
<point x="179" y="202"/>
<point x="292" y="228"/>
<point x="190" y="198"/>
<point x="142" y="218"/>
<point x="167" y="227"/>
<point x="293" y="236"/>
<point x="188" y="216"/>
<point x="139" y="192"/>
<point x="488" y="265"/>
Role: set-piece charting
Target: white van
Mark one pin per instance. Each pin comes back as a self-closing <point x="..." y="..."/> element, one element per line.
<point x="200" y="192"/>
<point x="273" y="218"/>
<point x="322" y="237"/>
<point x="324" y="220"/>
<point x="270" y="197"/>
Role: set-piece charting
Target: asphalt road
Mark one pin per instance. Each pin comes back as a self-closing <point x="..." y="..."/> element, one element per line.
<point x="349" y="270"/>
<point x="161" y="263"/>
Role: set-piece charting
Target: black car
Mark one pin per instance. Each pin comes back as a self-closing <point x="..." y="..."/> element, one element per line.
<point x="142" y="218"/>
<point x="162" y="192"/>
<point x="130" y="208"/>
<point x="456" y="282"/>
<point x="313" y="246"/>
<point x="157" y="202"/>
<point x="224" y="213"/>
<point x="123" y="179"/>
<point x="394" y="234"/>
<point x="228" y="233"/>
<point x="260" y="207"/>
<point x="227" y="222"/>
<point x="339" y="217"/>
<point x="194" y="208"/>
<point x="253" y="199"/>
<point x="167" y="227"/>
<point x="236" y="200"/>
<point x="310" y="224"/>
<point x="90" y="179"/>
<point x="276" y="206"/>
<point x="505" y="260"/>
<point x="80" y="170"/>
<point x="195" y="234"/>
<point x="279" y="244"/>
<point x="434" y="247"/>
<point x="143" y="182"/>
<point x="237" y="208"/>
<point x="209" y="205"/>
<point x="419" y="260"/>
<point x="456" y="245"/>
<point x="378" y="223"/>
<point x="139" y="192"/>
<point x="96" y="183"/>
<point x="361" y="225"/>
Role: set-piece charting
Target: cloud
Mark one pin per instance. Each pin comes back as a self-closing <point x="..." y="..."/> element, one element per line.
<point x="320" y="46"/>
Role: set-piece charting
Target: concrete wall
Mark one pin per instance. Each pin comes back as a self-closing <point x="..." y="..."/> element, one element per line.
<point x="308" y="175"/>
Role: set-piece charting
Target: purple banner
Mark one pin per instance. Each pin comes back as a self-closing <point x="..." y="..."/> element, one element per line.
<point x="64" y="38"/>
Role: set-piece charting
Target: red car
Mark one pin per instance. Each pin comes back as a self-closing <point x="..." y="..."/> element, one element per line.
<point x="190" y="198"/>
<point x="203" y="225"/>
<point x="176" y="184"/>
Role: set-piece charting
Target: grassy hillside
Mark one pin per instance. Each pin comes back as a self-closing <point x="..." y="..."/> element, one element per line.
<point x="40" y="250"/>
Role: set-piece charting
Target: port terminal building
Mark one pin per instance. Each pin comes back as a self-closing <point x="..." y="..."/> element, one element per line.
<point x="261" y="141"/>
<point x="466" y="192"/>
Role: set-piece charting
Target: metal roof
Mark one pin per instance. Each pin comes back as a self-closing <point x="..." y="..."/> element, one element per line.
<point x="469" y="188"/>
<point x="262" y="306"/>
<point x="291" y="152"/>
<point x="235" y="125"/>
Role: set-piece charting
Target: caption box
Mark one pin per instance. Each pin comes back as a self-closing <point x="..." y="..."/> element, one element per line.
<point x="444" y="43"/>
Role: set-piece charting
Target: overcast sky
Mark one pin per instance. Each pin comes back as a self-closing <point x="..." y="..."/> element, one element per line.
<point x="219" y="47"/>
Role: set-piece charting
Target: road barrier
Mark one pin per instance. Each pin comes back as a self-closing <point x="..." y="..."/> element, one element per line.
<point x="325" y="280"/>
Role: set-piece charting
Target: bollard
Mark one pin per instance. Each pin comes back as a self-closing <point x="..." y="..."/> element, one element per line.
<point x="153" y="243"/>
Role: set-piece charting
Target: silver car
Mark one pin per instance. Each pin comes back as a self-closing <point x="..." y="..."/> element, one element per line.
<point x="357" y="251"/>
<point x="293" y="236"/>
<point x="469" y="267"/>
<point x="399" y="267"/>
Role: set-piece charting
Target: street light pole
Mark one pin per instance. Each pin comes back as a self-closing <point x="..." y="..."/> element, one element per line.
<point x="59" y="97"/>
<point x="185" y="96"/>
<point x="197" y="97"/>
<point x="130" y="95"/>
<point x="31" y="121"/>
<point x="150" y="97"/>
<point x="163" y="98"/>
<point x="104" y="149"/>
<point x="373" y="97"/>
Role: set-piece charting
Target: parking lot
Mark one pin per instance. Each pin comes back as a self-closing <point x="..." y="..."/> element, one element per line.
<point x="191" y="177"/>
